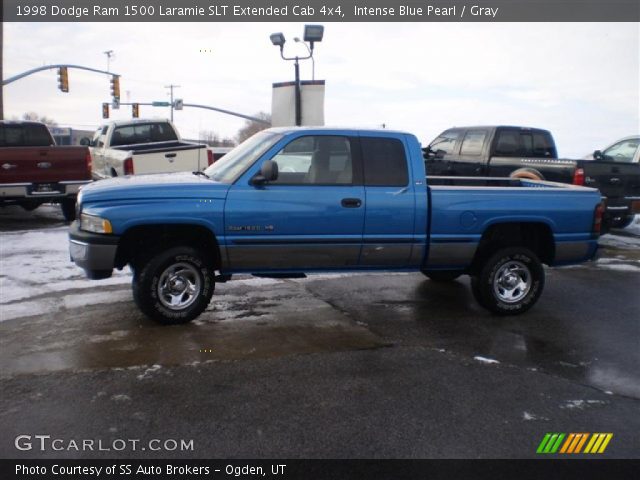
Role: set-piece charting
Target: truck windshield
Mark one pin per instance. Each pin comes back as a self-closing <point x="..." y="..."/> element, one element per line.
<point x="236" y="162"/>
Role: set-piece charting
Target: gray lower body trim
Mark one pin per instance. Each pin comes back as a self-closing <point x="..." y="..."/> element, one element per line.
<point x="284" y="257"/>
<point x="386" y="254"/>
<point x="451" y="254"/>
<point x="92" y="257"/>
<point x="571" y="251"/>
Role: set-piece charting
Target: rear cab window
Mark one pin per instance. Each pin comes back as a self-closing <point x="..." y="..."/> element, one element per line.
<point x="143" y="133"/>
<point x="513" y="142"/>
<point x="385" y="162"/>
<point x="25" y="135"/>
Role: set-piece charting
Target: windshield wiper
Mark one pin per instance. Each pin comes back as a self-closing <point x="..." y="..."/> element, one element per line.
<point x="200" y="173"/>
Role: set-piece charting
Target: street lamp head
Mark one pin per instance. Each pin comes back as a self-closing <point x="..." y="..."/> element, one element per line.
<point x="313" y="33"/>
<point x="277" y="39"/>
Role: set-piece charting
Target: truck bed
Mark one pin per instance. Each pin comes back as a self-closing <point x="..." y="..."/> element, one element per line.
<point x="463" y="208"/>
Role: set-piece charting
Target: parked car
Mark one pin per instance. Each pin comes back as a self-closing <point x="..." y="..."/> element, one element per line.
<point x="34" y="170"/>
<point x="218" y="152"/>
<point x="144" y="146"/>
<point x="521" y="152"/>
<point x="351" y="200"/>
<point x="624" y="151"/>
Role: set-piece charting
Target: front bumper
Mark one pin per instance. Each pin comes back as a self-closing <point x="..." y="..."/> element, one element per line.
<point x="93" y="252"/>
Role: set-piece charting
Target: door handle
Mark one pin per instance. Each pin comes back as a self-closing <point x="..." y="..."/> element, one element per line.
<point x="351" y="202"/>
<point x="9" y="166"/>
<point x="615" y="181"/>
<point x="170" y="155"/>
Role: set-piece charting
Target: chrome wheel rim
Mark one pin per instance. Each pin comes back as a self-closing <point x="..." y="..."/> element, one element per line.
<point x="179" y="286"/>
<point x="512" y="282"/>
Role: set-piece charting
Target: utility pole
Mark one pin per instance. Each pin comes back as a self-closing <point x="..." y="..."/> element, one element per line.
<point x="109" y="54"/>
<point x="171" y="87"/>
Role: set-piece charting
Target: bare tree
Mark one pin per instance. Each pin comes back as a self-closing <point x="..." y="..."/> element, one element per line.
<point x="212" y="139"/>
<point x="252" y="127"/>
<point x="34" y="117"/>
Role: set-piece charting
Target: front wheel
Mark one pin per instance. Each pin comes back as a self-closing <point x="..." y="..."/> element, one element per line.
<point x="510" y="281"/>
<point x="174" y="286"/>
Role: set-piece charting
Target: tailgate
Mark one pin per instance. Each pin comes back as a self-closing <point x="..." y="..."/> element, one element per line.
<point x="185" y="158"/>
<point x="615" y="180"/>
<point x="43" y="164"/>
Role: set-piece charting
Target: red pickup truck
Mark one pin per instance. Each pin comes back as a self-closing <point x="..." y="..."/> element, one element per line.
<point x="34" y="170"/>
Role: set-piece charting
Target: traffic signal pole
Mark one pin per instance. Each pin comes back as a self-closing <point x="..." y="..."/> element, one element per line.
<point x="50" y="67"/>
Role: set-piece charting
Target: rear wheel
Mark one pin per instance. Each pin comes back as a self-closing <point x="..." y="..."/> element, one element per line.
<point x="442" y="275"/>
<point x="174" y="286"/>
<point x="510" y="281"/>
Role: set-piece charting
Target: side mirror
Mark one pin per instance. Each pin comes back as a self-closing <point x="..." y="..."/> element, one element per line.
<point x="86" y="141"/>
<point x="597" y="155"/>
<point x="440" y="154"/>
<point x="268" y="173"/>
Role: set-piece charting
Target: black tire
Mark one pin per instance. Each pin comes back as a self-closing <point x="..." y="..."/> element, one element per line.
<point x="623" y="222"/>
<point x="510" y="281"/>
<point x="442" y="275"/>
<point x="68" y="206"/>
<point x="182" y="271"/>
<point x="475" y="290"/>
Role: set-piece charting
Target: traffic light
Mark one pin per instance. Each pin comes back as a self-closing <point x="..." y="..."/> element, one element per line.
<point x="105" y="110"/>
<point x="135" y="110"/>
<point x="115" y="86"/>
<point x="63" y="79"/>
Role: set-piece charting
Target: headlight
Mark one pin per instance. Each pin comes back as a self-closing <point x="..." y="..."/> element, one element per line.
<point x="91" y="223"/>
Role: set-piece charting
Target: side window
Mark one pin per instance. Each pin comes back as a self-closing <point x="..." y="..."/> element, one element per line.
<point x="38" y="136"/>
<point x="543" y="146"/>
<point x="508" y="143"/>
<point x="473" y="142"/>
<point x="446" y="141"/>
<point x="315" y="160"/>
<point x="12" y="136"/>
<point x="385" y="163"/>
<point x="622" y="152"/>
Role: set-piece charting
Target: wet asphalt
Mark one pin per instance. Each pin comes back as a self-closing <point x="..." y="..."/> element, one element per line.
<point x="343" y="366"/>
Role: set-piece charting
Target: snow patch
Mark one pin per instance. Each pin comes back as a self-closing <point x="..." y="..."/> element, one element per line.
<point x="149" y="372"/>
<point x="526" y="416"/>
<point x="485" y="359"/>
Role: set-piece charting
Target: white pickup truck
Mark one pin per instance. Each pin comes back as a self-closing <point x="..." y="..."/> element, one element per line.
<point x="144" y="146"/>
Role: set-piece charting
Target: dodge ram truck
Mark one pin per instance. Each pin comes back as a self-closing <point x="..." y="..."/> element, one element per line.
<point x="34" y="170"/>
<point x="522" y="152"/>
<point x="144" y="146"/>
<point x="294" y="200"/>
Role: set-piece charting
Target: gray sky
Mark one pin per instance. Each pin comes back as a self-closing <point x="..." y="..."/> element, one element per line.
<point x="579" y="80"/>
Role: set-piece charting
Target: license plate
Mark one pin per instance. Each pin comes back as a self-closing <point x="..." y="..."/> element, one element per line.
<point x="44" y="187"/>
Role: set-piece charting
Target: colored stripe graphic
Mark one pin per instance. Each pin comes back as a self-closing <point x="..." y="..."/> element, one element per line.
<point x="550" y="443"/>
<point x="574" y="442"/>
<point x="599" y="442"/>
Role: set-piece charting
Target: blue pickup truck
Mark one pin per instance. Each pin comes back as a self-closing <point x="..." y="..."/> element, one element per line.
<point x="296" y="200"/>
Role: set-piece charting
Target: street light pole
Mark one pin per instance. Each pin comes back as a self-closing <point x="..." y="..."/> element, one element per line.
<point x="313" y="60"/>
<point x="312" y="33"/>
<point x="298" y="95"/>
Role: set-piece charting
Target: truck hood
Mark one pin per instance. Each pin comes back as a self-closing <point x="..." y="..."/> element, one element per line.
<point x="154" y="186"/>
